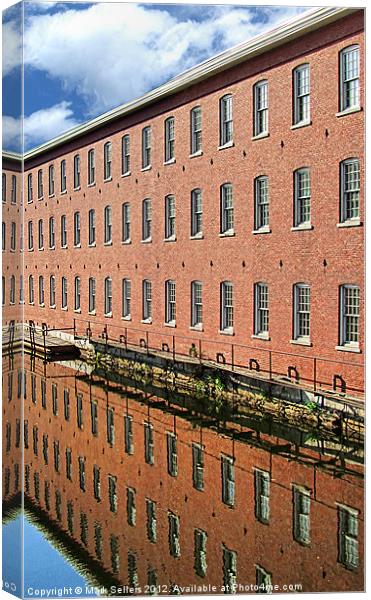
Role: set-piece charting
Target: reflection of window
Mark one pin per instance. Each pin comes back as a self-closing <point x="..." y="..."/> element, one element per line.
<point x="301" y="500"/>
<point x="148" y="443"/>
<point x="69" y="463"/>
<point x="200" y="565"/>
<point x="262" y="484"/>
<point x="348" y="537"/>
<point x="130" y="506"/>
<point x="96" y="482"/>
<point x="229" y="570"/>
<point x="56" y="455"/>
<point x="172" y="454"/>
<point x="115" y="556"/>
<point x="79" y="410"/>
<point x="129" y="437"/>
<point x="228" y="490"/>
<point x="263" y="580"/>
<point x="151" y="520"/>
<point x="112" y="493"/>
<point x="110" y="426"/>
<point x="198" y="466"/>
<point x="82" y="477"/>
<point x="174" y="545"/>
<point x="94" y="417"/>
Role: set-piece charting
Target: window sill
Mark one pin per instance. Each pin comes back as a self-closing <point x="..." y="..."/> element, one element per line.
<point x="91" y="184"/>
<point x="77" y="189"/>
<point x="264" y="229"/>
<point x="92" y="245"/>
<point x="301" y="342"/>
<point x="51" y="196"/>
<point x="226" y="331"/>
<point x="147" y="321"/>
<point x="30" y="303"/>
<point x="170" y="324"/>
<point x="229" y="233"/>
<point x="42" y="305"/>
<point x="41" y="198"/>
<point x="108" y="315"/>
<point x="300" y="125"/>
<point x="348" y="348"/>
<point x="64" y="247"/>
<point x="77" y="245"/>
<point x="30" y="249"/>
<point x="77" y="311"/>
<point x="107" y="180"/>
<point x="171" y="161"/>
<point x="52" y="247"/>
<point x="65" y="308"/>
<point x="148" y="168"/>
<point x="198" y="327"/>
<point x="349" y="111"/>
<point x="260" y="136"/>
<point x="146" y="241"/>
<point x="108" y="243"/>
<point x="125" y="242"/>
<point x="63" y="192"/>
<point x="261" y="336"/>
<point x="127" y="174"/>
<point x="92" y="313"/>
<point x="39" y="249"/>
<point x="350" y="223"/>
<point x="303" y="227"/>
<point x="170" y="239"/>
<point x="227" y="145"/>
<point x="195" y="154"/>
<point x="197" y="236"/>
<point x="53" y="306"/>
<point x="126" y="318"/>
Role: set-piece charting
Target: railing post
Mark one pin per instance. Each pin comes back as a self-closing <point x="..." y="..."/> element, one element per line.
<point x="232" y="357"/>
<point x="315" y="374"/>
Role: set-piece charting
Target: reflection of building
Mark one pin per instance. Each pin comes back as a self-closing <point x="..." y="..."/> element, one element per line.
<point x="157" y="499"/>
<point x="216" y="207"/>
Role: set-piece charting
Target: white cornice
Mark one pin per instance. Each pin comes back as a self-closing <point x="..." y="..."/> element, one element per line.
<point x="12" y="155"/>
<point x="311" y="20"/>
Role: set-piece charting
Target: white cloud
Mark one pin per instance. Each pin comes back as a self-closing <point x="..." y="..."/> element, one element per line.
<point x="12" y="46"/>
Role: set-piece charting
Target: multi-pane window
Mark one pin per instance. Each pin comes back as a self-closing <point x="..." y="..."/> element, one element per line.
<point x="261" y="313"/>
<point x="226" y="208"/>
<point x="228" y="487"/>
<point x="196" y="306"/>
<point x="77" y="229"/>
<point x="108" y="225"/>
<point x="200" y="565"/>
<point x="40" y="229"/>
<point x="91" y="167"/>
<point x="262" y="488"/>
<point x="174" y="527"/>
<point x="147" y="300"/>
<point x="226" y="120"/>
<point x="30" y="235"/>
<point x="66" y="404"/>
<point x="129" y="436"/>
<point x="125" y="157"/>
<point x="301" y="516"/>
<point x="261" y="196"/>
<point x="126" y="222"/>
<point x="112" y="493"/>
<point x="82" y="475"/>
<point x="146" y="147"/>
<point x="40" y="187"/>
<point x="108" y="296"/>
<point x="94" y="417"/>
<point x="3" y="187"/>
<point x="196" y="212"/>
<point x="52" y="290"/>
<point x="51" y="233"/>
<point x="30" y="290"/>
<point x="51" y="180"/>
<point x="146" y="219"/>
<point x="301" y="311"/>
<point x="91" y="222"/>
<point x="349" y="315"/>
<point x="13" y="236"/>
<point x="148" y="444"/>
<point x="198" y="467"/>
<point x="170" y="301"/>
<point x="3" y="231"/>
<point x="13" y="191"/>
<point x="77" y="293"/>
<point x="63" y="231"/>
<point x="107" y="160"/>
<point x="349" y="78"/>
<point x="170" y="217"/>
<point x="92" y="287"/>
<point x="226" y="308"/>
<point x="110" y="426"/>
<point x="76" y="171"/>
<point x="12" y="290"/>
<point x="126" y="298"/>
<point x="41" y="291"/>
<point x="21" y="290"/>
<point x="348" y="545"/>
<point x="169" y="139"/>
<point x="196" y="130"/>
<point x="302" y="196"/>
<point x="63" y="176"/>
<point x="64" y="292"/>
<point x="130" y="506"/>
<point x="172" y="454"/>
<point x="263" y="580"/>
<point x="115" y="553"/>
<point x="29" y="188"/>
<point x="229" y="570"/>
<point x="350" y="189"/>
<point x="261" y="108"/>
<point x="3" y="290"/>
<point x="151" y="520"/>
<point x="56" y="455"/>
<point x="301" y="94"/>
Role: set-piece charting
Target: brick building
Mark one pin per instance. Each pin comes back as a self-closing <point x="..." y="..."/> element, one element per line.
<point x="222" y="208"/>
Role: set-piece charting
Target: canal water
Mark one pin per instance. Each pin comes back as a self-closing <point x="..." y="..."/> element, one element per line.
<point x="130" y="491"/>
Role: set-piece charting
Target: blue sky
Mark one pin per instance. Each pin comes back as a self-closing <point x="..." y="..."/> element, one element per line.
<point x="82" y="59"/>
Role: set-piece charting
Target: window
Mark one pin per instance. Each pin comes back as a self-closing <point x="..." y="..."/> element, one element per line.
<point x="151" y="520"/>
<point x="51" y="233"/>
<point x="261" y="314"/>
<point x="198" y="467"/>
<point x="196" y="299"/>
<point x="107" y="160"/>
<point x="91" y="295"/>
<point x="21" y="290"/>
<point x="91" y="221"/>
<point x="108" y="225"/>
<point x="76" y="229"/>
<point x="3" y="232"/>
<point x="263" y="580"/>
<point x="13" y="236"/>
<point x="261" y="108"/>
<point x="108" y="296"/>
<point x="77" y="293"/>
<point x="348" y="537"/>
<point x="96" y="482"/>
<point x="63" y="176"/>
<point x="40" y="187"/>
<point x="69" y="463"/>
<point x="126" y="298"/>
<point x="30" y="235"/>
<point x="76" y="172"/>
<point x="170" y="307"/>
<point x="30" y="290"/>
<point x="46" y="448"/>
<point x="55" y="399"/>
<point x="226" y="208"/>
<point x="301" y="502"/>
<point x="98" y="540"/>
<point x="196" y="130"/>
<point x="115" y="555"/>
<point x="226" y="312"/>
<point x="172" y="454"/>
<point x="301" y="197"/>
<point x="56" y="456"/>
<point x="227" y="464"/>
<point x="13" y="191"/>
<point x="130" y="506"/>
<point x="262" y="485"/>
<point x="29" y="188"/>
<point x="170" y="217"/>
<point x="174" y="545"/>
<point x="200" y="565"/>
<point x="146" y="147"/>
<point x="129" y="436"/>
<point x="261" y="191"/>
<point x="196" y="213"/>
<point x="169" y="139"/>
<point x="147" y="300"/>
<point x="35" y="440"/>
<point x="349" y="78"/>
<point x="112" y="493"/>
<point x="147" y="219"/>
<point x="301" y="95"/>
<point x="70" y="516"/>
<point x="82" y="477"/>
<point x="52" y="291"/>
<point x="51" y="180"/>
<point x="148" y="444"/>
<point x="226" y="120"/>
<point x="94" y="417"/>
<point x="41" y="291"/>
<point x="91" y="167"/>
<point x="4" y="188"/>
<point x="301" y="311"/>
<point x="40" y="234"/>
<point x="3" y="290"/>
<point x="349" y="316"/>
<point x="63" y="231"/>
<point x="12" y="290"/>
<point x="66" y="403"/>
<point x="126" y="222"/>
<point x="125" y="154"/>
<point x="64" y="292"/>
<point x="350" y="190"/>
<point x="110" y="426"/>
<point x="229" y="570"/>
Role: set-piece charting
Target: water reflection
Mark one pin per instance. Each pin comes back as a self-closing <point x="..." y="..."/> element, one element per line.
<point x="151" y="498"/>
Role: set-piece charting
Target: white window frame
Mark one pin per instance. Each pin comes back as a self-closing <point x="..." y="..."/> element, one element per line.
<point x="301" y="94"/>
<point x="126" y="299"/>
<point x="170" y="302"/>
<point x="64" y="290"/>
<point x="346" y="194"/>
<point x="13" y="236"/>
<point x="261" y="309"/>
<point x="52" y="294"/>
<point x="174" y="534"/>
<point x="170" y="217"/>
<point x="40" y="185"/>
<point x="51" y="180"/>
<point x="91" y="224"/>
<point x="345" y="80"/>
<point x="196" y="212"/>
<point x="196" y="130"/>
<point x="51" y="233"/>
<point x="63" y="176"/>
<point x="230" y="570"/>
<point x="77" y="294"/>
<point x="91" y="167"/>
<point x="261" y="108"/>
<point x="3" y="187"/>
<point x="125" y="154"/>
<point x="40" y="232"/>
<point x="196" y="305"/>
<point x="226" y="209"/>
<point x="226" y="310"/>
<point x="302" y="198"/>
<point x="29" y="188"/>
<point x="261" y="204"/>
<point x="63" y="231"/>
<point x="146" y="147"/>
<point x="299" y="289"/>
<point x="147" y="300"/>
<point x="12" y="290"/>
<point x="77" y="229"/>
<point x="170" y="140"/>
<point x="31" y="290"/>
<point x="226" y="121"/>
<point x="126" y="224"/>
<point x="13" y="191"/>
<point x="30" y="235"/>
<point x="108" y="225"/>
<point x="41" y="291"/>
<point x="108" y="297"/>
<point x="345" y="315"/>
<point x="146" y="220"/>
<point x="92" y="295"/>
<point x="76" y="172"/>
<point x="107" y="151"/>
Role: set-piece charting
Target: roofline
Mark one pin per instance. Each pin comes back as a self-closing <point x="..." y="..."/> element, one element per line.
<point x="280" y="35"/>
<point x="12" y="155"/>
